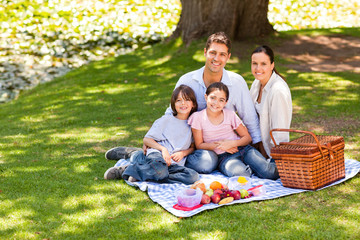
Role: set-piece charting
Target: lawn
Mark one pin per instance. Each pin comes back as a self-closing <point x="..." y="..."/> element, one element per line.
<point x="53" y="140"/>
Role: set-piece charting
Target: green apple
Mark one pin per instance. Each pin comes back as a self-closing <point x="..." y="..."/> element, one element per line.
<point x="209" y="192"/>
<point x="244" y="193"/>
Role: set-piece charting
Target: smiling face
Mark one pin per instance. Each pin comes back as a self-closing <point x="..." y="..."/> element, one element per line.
<point x="183" y="106"/>
<point x="261" y="67"/>
<point x="216" y="100"/>
<point x="216" y="57"/>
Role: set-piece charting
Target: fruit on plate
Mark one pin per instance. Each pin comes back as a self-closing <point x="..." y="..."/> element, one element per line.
<point x="200" y="185"/>
<point x="209" y="192"/>
<point x="242" y="180"/>
<point x="244" y="193"/>
<point x="215" y="198"/>
<point x="236" y="194"/>
<point x="226" y="200"/>
<point x="205" y="199"/>
<point x="215" y="185"/>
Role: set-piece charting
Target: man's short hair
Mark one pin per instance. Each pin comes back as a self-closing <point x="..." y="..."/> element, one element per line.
<point x="219" y="37"/>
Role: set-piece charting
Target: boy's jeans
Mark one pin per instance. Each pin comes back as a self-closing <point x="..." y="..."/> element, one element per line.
<point x="153" y="168"/>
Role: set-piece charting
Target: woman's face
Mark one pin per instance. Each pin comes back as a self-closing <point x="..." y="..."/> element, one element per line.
<point x="261" y="67"/>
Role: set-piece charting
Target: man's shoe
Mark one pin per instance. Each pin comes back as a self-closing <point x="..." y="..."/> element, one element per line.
<point x="114" y="173"/>
<point x="120" y="153"/>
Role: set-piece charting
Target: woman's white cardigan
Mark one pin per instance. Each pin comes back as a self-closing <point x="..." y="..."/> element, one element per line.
<point x="275" y="109"/>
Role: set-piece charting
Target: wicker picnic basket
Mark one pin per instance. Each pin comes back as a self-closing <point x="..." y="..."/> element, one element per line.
<point x="309" y="162"/>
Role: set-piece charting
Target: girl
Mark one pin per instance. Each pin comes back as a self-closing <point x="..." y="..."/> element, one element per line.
<point x="272" y="98"/>
<point x="169" y="141"/>
<point x="221" y="130"/>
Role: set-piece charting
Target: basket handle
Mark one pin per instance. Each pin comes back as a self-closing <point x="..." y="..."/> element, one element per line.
<point x="331" y="151"/>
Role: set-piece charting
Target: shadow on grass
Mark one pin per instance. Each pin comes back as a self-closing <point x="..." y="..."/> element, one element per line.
<point x="51" y="157"/>
<point x="55" y="137"/>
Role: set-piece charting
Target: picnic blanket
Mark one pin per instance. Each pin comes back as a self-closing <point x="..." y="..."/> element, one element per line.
<point x="163" y="194"/>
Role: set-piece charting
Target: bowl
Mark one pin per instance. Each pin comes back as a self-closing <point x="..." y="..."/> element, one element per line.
<point x="234" y="184"/>
<point x="257" y="190"/>
<point x="188" y="197"/>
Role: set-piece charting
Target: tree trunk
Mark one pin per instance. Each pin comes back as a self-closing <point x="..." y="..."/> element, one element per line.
<point x="239" y="19"/>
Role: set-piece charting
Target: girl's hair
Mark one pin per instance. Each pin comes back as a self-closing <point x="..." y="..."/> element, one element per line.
<point x="218" y="86"/>
<point x="268" y="51"/>
<point x="187" y="93"/>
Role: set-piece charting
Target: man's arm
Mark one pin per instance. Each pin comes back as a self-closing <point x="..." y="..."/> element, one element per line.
<point x="245" y="108"/>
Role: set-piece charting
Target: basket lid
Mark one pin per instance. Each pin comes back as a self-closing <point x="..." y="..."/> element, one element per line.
<point x="307" y="139"/>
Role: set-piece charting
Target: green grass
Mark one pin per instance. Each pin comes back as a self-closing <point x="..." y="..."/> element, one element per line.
<point x="53" y="140"/>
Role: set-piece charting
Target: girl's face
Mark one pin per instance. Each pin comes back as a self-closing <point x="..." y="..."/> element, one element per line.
<point x="261" y="67"/>
<point x="216" y="100"/>
<point x="183" y="106"/>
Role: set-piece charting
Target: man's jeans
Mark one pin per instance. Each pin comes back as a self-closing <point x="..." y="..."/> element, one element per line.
<point x="154" y="168"/>
<point x="243" y="163"/>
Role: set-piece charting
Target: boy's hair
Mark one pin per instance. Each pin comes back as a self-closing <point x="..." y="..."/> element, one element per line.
<point x="187" y="93"/>
<point x="218" y="86"/>
<point x="219" y="37"/>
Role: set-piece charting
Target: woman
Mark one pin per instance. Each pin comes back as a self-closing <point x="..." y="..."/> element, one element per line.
<point x="272" y="98"/>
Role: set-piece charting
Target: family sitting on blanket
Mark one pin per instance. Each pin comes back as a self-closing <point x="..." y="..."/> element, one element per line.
<point x="270" y="99"/>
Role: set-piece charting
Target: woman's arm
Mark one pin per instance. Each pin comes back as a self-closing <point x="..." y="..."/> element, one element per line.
<point x="153" y="144"/>
<point x="280" y="114"/>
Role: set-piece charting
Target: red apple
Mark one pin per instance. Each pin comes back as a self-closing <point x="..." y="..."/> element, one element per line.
<point x="205" y="199"/>
<point x="218" y="191"/>
<point x="236" y="194"/>
<point x="215" y="198"/>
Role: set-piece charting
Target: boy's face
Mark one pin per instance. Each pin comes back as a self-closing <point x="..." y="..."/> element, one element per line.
<point x="183" y="106"/>
<point x="216" y="57"/>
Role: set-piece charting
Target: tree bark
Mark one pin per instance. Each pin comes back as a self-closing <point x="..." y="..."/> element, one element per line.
<point x="239" y="19"/>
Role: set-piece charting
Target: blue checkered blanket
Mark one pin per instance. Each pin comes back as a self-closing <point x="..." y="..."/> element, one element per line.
<point x="163" y="194"/>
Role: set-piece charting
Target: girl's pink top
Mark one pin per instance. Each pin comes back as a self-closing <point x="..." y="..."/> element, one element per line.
<point x="213" y="133"/>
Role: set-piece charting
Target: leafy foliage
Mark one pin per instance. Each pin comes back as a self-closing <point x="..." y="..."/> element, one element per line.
<point x="89" y="28"/>
<point x="93" y="29"/>
<point x="300" y="14"/>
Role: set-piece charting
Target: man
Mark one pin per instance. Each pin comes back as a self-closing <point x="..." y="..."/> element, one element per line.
<point x="217" y="53"/>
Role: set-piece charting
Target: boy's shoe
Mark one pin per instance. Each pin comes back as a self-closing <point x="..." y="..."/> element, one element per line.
<point x="114" y="172"/>
<point x="132" y="179"/>
<point x="120" y="153"/>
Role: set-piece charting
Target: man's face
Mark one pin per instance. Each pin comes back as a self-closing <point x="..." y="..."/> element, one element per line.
<point x="216" y="57"/>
